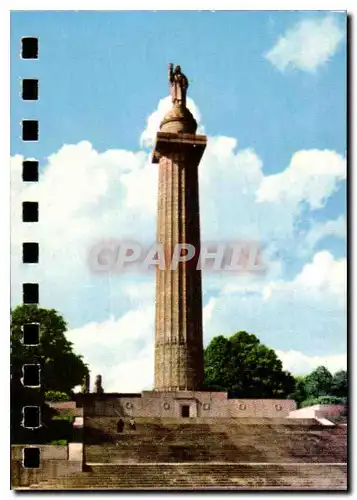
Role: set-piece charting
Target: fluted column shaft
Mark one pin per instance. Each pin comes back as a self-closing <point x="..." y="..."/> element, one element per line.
<point x="178" y="336"/>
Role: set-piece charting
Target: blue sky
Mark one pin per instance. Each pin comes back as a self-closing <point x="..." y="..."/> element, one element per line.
<point x="101" y="76"/>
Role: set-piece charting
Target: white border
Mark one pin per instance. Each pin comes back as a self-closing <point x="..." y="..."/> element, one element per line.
<point x="5" y="7"/>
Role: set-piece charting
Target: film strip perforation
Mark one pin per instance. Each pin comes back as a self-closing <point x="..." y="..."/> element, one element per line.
<point x="31" y="370"/>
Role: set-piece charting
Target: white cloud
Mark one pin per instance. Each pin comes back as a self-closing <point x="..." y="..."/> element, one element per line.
<point x="312" y="306"/>
<point x="147" y="138"/>
<point x="306" y="313"/>
<point x="312" y="176"/>
<point x="307" y="45"/>
<point x="324" y="276"/>
<point x="301" y="364"/>
<point x="121" y="350"/>
<point x="84" y="196"/>
<point x="76" y="184"/>
<point x="207" y="311"/>
<point x="319" y="231"/>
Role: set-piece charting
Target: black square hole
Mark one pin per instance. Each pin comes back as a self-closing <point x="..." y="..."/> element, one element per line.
<point x="30" y="253"/>
<point x="31" y="417"/>
<point x="30" y="89"/>
<point x="31" y="375"/>
<point x="32" y="458"/>
<point x="30" y="170"/>
<point x="30" y="130"/>
<point x="29" y="48"/>
<point x="30" y="293"/>
<point x="30" y="211"/>
<point x="31" y="334"/>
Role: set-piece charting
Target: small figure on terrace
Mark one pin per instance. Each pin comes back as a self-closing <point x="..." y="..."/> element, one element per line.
<point x="120" y="425"/>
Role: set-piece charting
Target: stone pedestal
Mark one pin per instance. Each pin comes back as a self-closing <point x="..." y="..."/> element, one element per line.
<point x="178" y="337"/>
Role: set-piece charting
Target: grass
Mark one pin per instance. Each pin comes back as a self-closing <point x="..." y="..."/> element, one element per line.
<point x="69" y="418"/>
<point x="59" y="442"/>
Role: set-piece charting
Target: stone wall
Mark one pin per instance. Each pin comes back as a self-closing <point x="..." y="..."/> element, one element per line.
<point x="170" y="405"/>
<point x="66" y="408"/>
<point x="329" y="410"/>
<point x="318" y="411"/>
<point x="55" y="461"/>
<point x="60" y="405"/>
<point x="47" y="452"/>
<point x="267" y="408"/>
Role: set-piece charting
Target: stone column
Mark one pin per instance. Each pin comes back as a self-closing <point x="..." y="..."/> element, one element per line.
<point x="98" y="385"/>
<point x="86" y="384"/>
<point x="178" y="332"/>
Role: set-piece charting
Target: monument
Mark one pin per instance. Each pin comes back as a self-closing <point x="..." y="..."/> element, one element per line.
<point x="179" y="369"/>
<point x="178" y="331"/>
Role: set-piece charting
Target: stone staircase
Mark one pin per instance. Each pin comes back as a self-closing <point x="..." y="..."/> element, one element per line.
<point x="211" y="454"/>
<point x="168" y="441"/>
<point x="203" y="476"/>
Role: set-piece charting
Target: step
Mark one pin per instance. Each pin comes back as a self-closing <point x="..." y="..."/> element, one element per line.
<point x="204" y="476"/>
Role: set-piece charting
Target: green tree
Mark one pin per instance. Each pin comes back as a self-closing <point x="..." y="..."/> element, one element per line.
<point x="340" y="384"/>
<point x="319" y="383"/>
<point x="55" y="396"/>
<point x="323" y="400"/>
<point x="61" y="368"/>
<point x="299" y="394"/>
<point x="245" y="368"/>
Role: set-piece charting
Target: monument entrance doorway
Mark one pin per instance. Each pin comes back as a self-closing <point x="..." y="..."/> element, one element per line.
<point x="185" y="411"/>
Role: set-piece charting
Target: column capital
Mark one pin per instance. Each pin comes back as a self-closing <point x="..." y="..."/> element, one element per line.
<point x="168" y="143"/>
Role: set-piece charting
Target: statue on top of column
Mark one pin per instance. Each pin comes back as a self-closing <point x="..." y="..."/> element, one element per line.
<point x="178" y="85"/>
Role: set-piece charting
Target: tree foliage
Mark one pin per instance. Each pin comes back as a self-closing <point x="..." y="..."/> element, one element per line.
<point x="321" y="387"/>
<point x="323" y="400"/>
<point x="56" y="396"/>
<point x="61" y="368"/>
<point x="340" y="384"/>
<point x="319" y="382"/>
<point x="299" y="394"/>
<point x="245" y="368"/>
